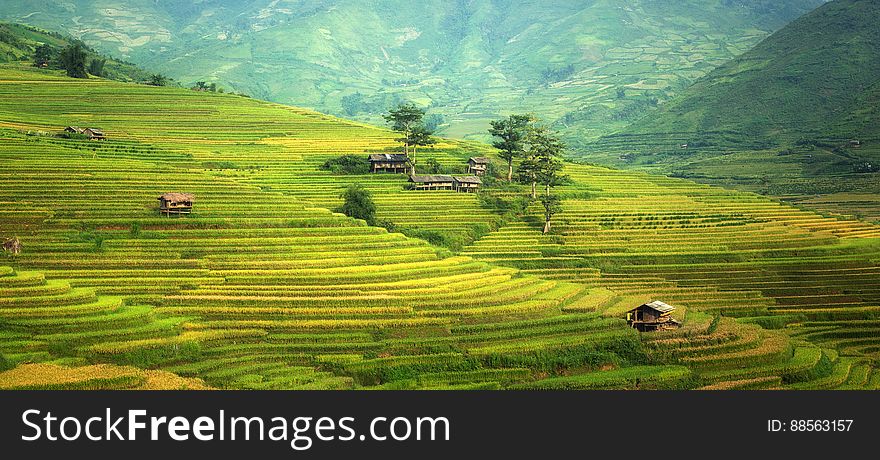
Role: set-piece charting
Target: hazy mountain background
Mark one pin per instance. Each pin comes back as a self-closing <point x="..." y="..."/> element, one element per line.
<point x="591" y="67"/>
<point x="781" y="117"/>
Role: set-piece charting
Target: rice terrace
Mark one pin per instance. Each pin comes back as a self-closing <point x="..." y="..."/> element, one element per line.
<point x="163" y="235"/>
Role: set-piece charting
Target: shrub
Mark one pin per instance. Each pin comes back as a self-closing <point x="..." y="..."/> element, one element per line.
<point x="359" y="204"/>
<point x="347" y="164"/>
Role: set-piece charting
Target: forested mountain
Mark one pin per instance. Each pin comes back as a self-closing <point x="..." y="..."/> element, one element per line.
<point x="800" y="105"/>
<point x="590" y="67"/>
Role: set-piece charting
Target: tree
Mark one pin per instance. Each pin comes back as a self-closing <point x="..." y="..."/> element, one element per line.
<point x="43" y="55"/>
<point x="359" y="203"/>
<point x="527" y="173"/>
<point x="403" y="119"/>
<point x="419" y="136"/>
<point x="73" y="60"/>
<point x="353" y="104"/>
<point x="546" y="150"/>
<point x="552" y="206"/>
<point x="433" y="166"/>
<point x="158" y="79"/>
<point x="96" y="67"/>
<point x="511" y="133"/>
<point x="200" y="86"/>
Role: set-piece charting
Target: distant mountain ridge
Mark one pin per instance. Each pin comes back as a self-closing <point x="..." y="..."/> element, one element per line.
<point x="803" y="103"/>
<point x="589" y="67"/>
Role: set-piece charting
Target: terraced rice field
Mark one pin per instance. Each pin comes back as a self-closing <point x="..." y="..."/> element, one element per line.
<point x="263" y="286"/>
<point x="709" y="250"/>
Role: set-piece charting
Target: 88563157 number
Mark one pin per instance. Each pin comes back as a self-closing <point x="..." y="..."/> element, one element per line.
<point x="801" y="425"/>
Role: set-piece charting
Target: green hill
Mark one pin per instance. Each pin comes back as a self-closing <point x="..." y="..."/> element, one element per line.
<point x="264" y="286"/>
<point x="18" y="43"/>
<point x="589" y="67"/>
<point x="778" y="119"/>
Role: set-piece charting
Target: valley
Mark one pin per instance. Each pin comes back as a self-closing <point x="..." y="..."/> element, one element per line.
<point x="264" y="286"/>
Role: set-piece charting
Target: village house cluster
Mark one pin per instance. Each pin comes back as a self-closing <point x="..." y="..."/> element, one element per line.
<point x="396" y="163"/>
<point x="92" y="133"/>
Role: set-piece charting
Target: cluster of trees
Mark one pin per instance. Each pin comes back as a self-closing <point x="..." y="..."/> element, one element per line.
<point x="409" y="120"/>
<point x="73" y="59"/>
<point x="158" y="79"/>
<point x="539" y="153"/>
<point x="205" y="86"/>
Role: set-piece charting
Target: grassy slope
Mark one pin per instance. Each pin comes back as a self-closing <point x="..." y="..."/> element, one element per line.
<point x="779" y="118"/>
<point x="18" y="43"/>
<point x="265" y="288"/>
<point x="471" y="61"/>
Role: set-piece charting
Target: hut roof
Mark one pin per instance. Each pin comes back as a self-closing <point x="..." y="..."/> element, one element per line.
<point x="94" y="131"/>
<point x="480" y="160"/>
<point x="657" y="305"/>
<point x="432" y="178"/>
<point x="392" y="157"/>
<point x="177" y="197"/>
<point x="468" y="179"/>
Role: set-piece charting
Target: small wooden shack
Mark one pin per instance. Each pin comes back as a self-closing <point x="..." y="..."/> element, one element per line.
<point x="652" y="316"/>
<point x="175" y="203"/>
<point x="478" y="166"/>
<point x="466" y="184"/>
<point x="94" y="134"/>
<point x="12" y="245"/>
<point x="855" y="143"/>
<point x="389" y="162"/>
<point x="434" y="182"/>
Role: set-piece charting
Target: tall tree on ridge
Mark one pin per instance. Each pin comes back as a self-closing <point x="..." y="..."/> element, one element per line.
<point x="552" y="206"/>
<point x="547" y="150"/>
<point x="511" y="133"/>
<point x="545" y="164"/>
<point x="419" y="136"/>
<point x="403" y="119"/>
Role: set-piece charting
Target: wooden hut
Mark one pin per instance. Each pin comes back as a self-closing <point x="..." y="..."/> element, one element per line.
<point x="175" y="203"/>
<point x="652" y="316"/>
<point x="434" y="182"/>
<point x="12" y="245"/>
<point x="389" y="162"/>
<point x="478" y="166"/>
<point x="466" y="183"/>
<point x="855" y="143"/>
<point x="94" y="134"/>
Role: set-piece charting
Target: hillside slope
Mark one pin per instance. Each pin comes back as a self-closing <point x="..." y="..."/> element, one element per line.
<point x="264" y="287"/>
<point x="589" y="67"/>
<point x="780" y="117"/>
<point x="18" y="43"/>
